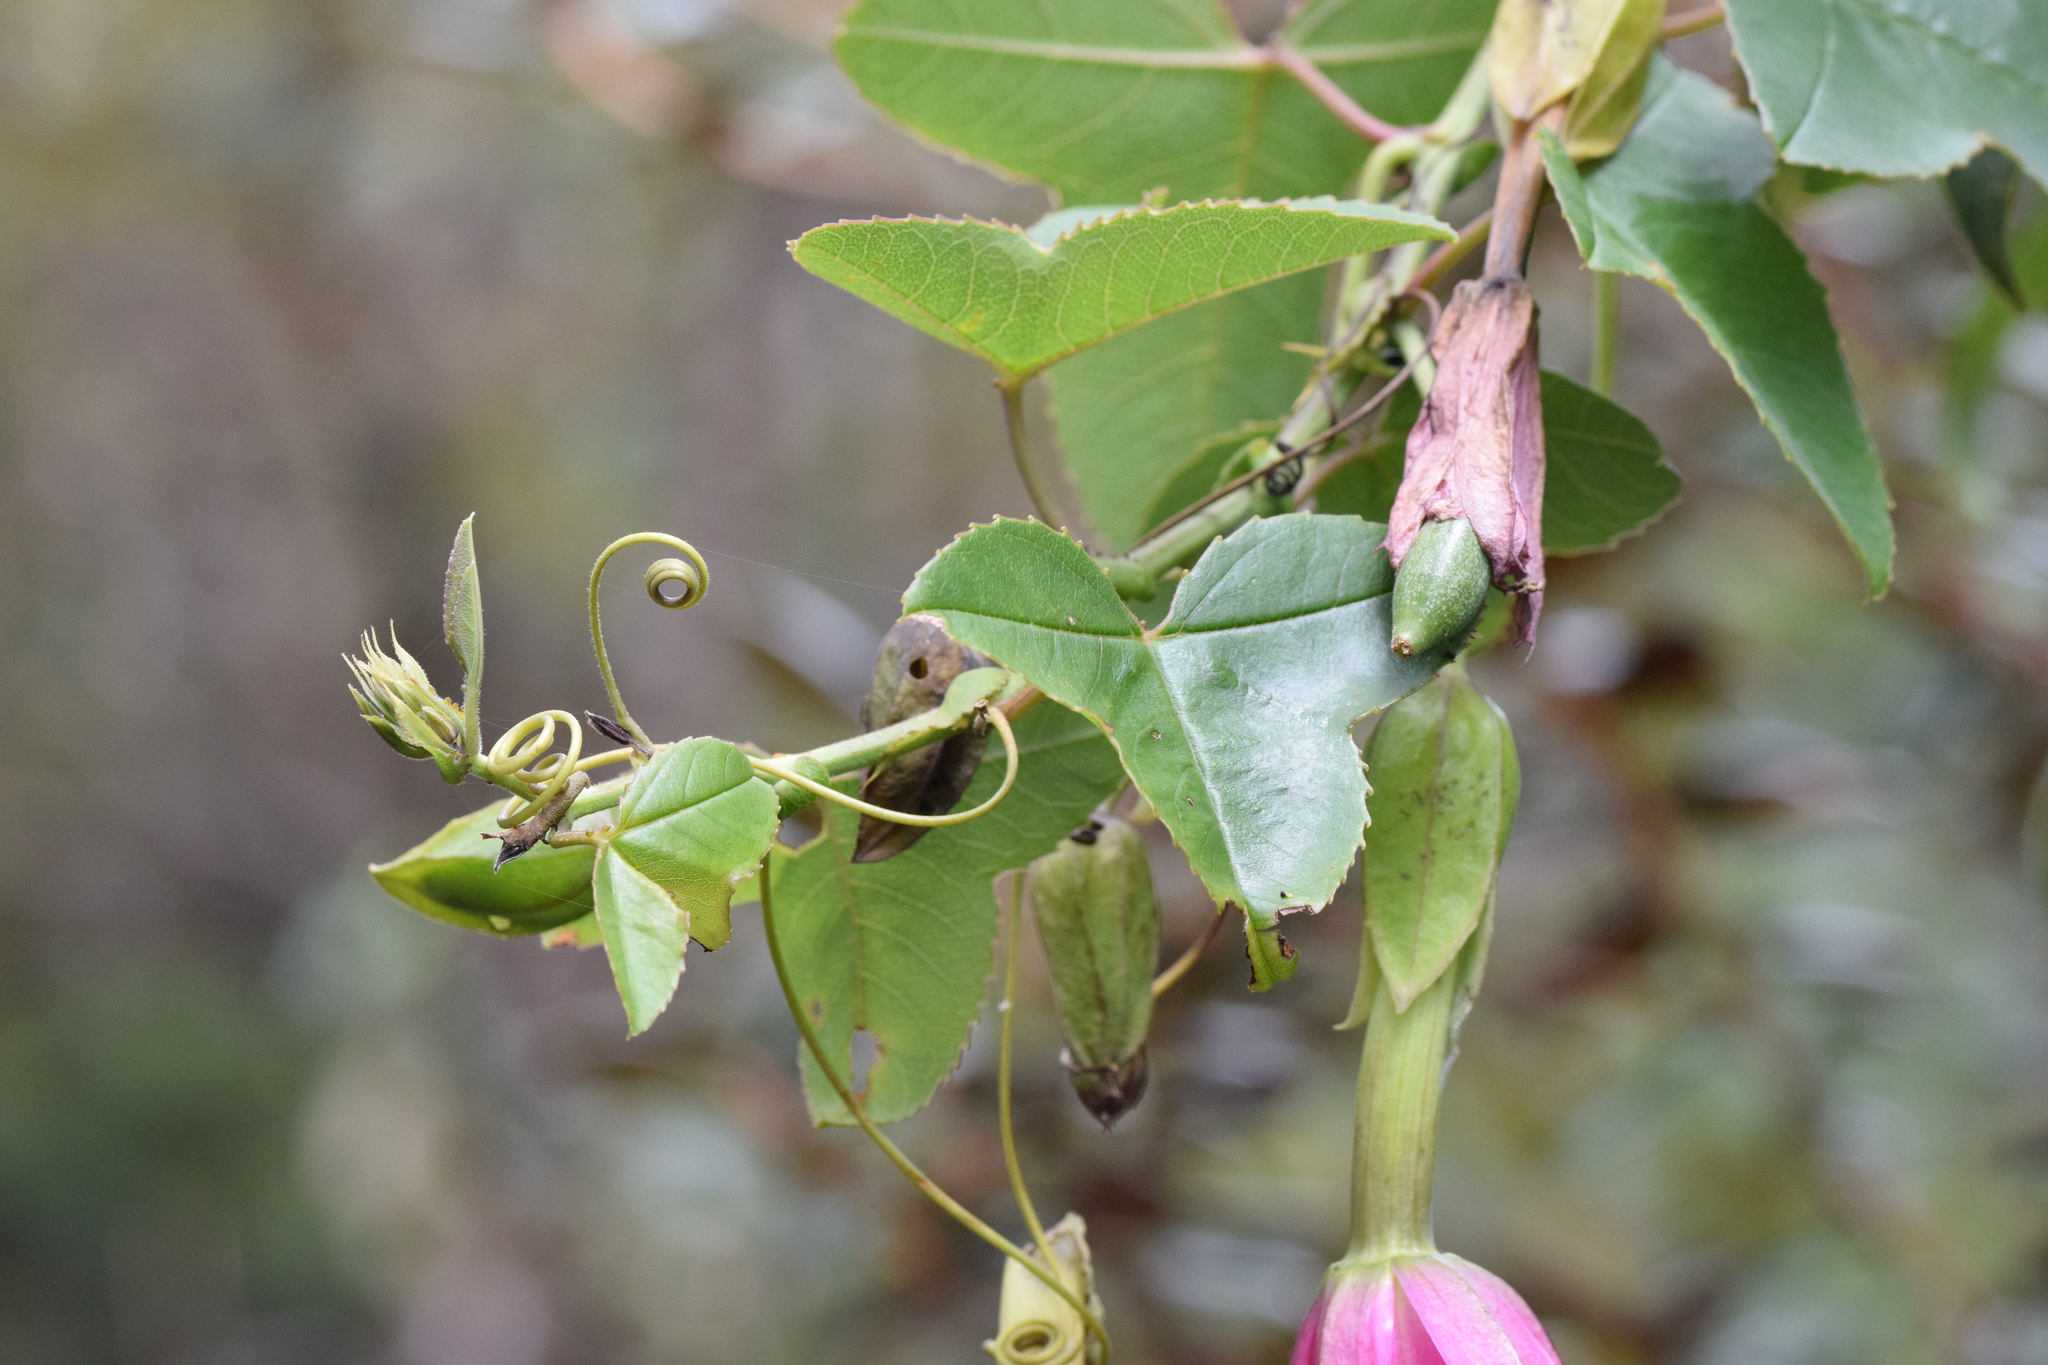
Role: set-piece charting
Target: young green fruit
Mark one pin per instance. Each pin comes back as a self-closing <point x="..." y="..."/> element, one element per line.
<point x="1098" y="921"/>
<point x="917" y="662"/>
<point x="1439" y="589"/>
<point x="450" y="878"/>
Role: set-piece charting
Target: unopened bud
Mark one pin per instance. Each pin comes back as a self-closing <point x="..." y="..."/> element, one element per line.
<point x="398" y="700"/>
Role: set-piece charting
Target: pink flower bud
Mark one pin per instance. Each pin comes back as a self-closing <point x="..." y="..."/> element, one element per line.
<point x="1430" y="1309"/>
<point x="1476" y="451"/>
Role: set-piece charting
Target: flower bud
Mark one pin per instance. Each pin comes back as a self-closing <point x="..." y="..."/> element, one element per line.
<point x="915" y="665"/>
<point x="398" y="700"/>
<point x="1476" y="452"/>
<point x="1037" y="1326"/>
<point x="1432" y="1308"/>
<point x="1099" y="924"/>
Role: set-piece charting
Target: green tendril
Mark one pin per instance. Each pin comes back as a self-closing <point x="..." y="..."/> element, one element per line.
<point x="770" y="768"/>
<point x="520" y="758"/>
<point x="691" y="572"/>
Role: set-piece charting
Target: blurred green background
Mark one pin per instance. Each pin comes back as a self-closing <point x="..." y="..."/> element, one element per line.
<point x="1761" y="1074"/>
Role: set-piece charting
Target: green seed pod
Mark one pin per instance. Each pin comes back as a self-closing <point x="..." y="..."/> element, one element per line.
<point x="1099" y="924"/>
<point x="1036" y="1326"/>
<point x="1439" y="589"/>
<point x="450" y="878"/>
<point x="916" y="664"/>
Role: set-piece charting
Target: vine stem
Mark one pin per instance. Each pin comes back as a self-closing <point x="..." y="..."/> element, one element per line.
<point x="1692" y="21"/>
<point x="1003" y="1105"/>
<point x="1167" y="979"/>
<point x="1606" y="330"/>
<point x="1037" y="479"/>
<point x="959" y="1212"/>
<point x="1331" y="96"/>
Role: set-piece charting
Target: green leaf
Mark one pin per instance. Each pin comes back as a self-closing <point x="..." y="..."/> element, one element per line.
<point x="1135" y="410"/>
<point x="1105" y="102"/>
<point x="1233" y="716"/>
<point x="1606" y="476"/>
<point x="448" y="877"/>
<point x="1677" y="205"/>
<point x="692" y="826"/>
<point x="1022" y="302"/>
<point x="1897" y="87"/>
<point x="1605" y="479"/>
<point x="1445" y="780"/>
<point x="1981" y="193"/>
<point x="902" y="948"/>
<point x="462" y="622"/>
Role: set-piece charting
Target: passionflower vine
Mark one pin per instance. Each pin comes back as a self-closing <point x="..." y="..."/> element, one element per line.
<point x="1476" y="452"/>
<point x="1433" y="1309"/>
<point x="1446" y="784"/>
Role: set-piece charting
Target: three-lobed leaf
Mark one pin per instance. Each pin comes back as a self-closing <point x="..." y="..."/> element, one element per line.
<point x="1676" y="205"/>
<point x="1605" y="475"/>
<point x="902" y="949"/>
<point x="1897" y="87"/>
<point x="693" y="824"/>
<point x="1233" y="716"/>
<point x="1107" y="102"/>
<point x="1022" y="300"/>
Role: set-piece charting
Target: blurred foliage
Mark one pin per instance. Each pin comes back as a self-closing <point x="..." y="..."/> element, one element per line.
<point x="1760" y="1073"/>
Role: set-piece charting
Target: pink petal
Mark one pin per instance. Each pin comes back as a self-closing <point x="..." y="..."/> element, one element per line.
<point x="1472" y="1315"/>
<point x="1360" y="1319"/>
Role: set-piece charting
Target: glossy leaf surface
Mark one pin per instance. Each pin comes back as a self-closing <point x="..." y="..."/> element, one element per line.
<point x="1105" y="102"/>
<point x="1605" y="474"/>
<point x="902" y="949"/>
<point x="1897" y="87"/>
<point x="1234" y="715"/>
<point x="1445" y="783"/>
<point x="694" y="824"/>
<point x="449" y="878"/>
<point x="1022" y="300"/>
<point x="1676" y="205"/>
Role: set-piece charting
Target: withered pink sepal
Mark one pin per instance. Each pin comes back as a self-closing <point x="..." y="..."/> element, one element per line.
<point x="1477" y="449"/>
<point x="1432" y="1309"/>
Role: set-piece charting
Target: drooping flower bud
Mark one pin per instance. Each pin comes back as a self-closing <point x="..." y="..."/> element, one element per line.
<point x="1476" y="452"/>
<point x="1434" y="1309"/>
<point x="1098" y="921"/>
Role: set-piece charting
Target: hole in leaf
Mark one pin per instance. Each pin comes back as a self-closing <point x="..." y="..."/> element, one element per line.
<point x="918" y="668"/>
<point x="866" y="1050"/>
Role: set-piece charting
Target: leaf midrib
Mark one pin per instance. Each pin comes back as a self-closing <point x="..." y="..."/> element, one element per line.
<point x="1246" y="58"/>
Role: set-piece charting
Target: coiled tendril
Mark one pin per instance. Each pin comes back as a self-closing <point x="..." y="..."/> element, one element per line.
<point x="690" y="571"/>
